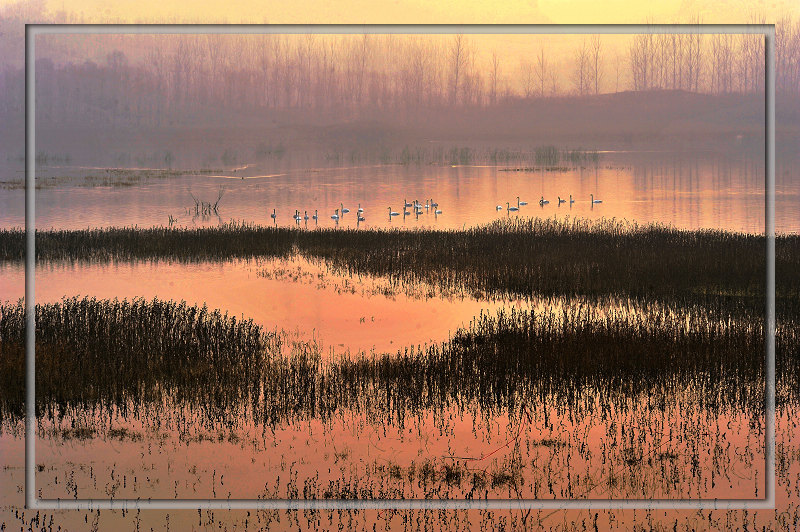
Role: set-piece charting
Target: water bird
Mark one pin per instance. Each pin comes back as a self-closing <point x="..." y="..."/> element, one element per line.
<point x="359" y="208"/>
<point x="273" y="215"/>
<point x="406" y="203"/>
<point x="359" y="217"/>
<point x="344" y="211"/>
<point x="437" y="211"/>
<point x="509" y="208"/>
<point x="560" y="201"/>
<point x="392" y="213"/>
<point x="521" y="202"/>
<point x="434" y="204"/>
<point x="543" y="201"/>
<point x="316" y="216"/>
<point x="595" y="200"/>
<point x="305" y="215"/>
<point x="499" y="208"/>
<point x="335" y="215"/>
<point x="296" y="215"/>
<point x="571" y="201"/>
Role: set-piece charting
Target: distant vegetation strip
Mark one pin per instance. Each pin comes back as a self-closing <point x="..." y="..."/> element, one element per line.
<point x="517" y="256"/>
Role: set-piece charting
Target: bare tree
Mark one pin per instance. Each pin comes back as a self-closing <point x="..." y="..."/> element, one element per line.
<point x="555" y="88"/>
<point x="787" y="51"/>
<point x="528" y="79"/>
<point x="693" y="58"/>
<point x="541" y="71"/>
<point x="595" y="67"/>
<point x="495" y="70"/>
<point x="720" y="63"/>
<point x="581" y="74"/>
<point x="458" y="60"/>
<point x="641" y="61"/>
<point x="617" y="67"/>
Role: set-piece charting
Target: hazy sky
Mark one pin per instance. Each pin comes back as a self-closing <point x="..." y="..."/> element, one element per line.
<point x="513" y="50"/>
<point x="427" y="11"/>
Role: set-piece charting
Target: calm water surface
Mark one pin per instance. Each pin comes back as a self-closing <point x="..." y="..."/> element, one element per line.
<point x="688" y="191"/>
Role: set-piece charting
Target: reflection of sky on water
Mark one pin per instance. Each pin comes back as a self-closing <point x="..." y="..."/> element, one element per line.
<point x="688" y="191"/>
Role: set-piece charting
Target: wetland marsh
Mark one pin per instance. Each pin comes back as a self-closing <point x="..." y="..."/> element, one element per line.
<point x="478" y="354"/>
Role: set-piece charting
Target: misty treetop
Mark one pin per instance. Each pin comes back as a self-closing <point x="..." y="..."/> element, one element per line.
<point x="144" y="79"/>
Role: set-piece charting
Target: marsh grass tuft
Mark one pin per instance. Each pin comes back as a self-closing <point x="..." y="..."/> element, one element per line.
<point x="511" y="257"/>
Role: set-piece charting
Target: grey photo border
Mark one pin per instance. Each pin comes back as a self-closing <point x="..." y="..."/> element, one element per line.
<point x="33" y="502"/>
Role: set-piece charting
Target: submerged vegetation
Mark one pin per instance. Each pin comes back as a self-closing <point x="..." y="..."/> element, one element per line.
<point x="513" y="257"/>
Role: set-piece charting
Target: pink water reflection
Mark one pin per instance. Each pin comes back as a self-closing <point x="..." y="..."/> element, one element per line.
<point x="342" y="314"/>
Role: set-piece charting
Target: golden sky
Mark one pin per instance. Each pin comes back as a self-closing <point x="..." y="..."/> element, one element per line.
<point x="425" y="11"/>
<point x="512" y="49"/>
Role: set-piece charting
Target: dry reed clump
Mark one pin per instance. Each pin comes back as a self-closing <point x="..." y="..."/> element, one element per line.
<point x="95" y="352"/>
<point x="130" y="354"/>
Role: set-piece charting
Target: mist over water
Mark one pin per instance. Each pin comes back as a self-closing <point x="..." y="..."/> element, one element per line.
<point x="688" y="191"/>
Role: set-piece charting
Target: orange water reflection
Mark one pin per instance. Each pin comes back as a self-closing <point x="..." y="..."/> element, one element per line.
<point x="296" y="296"/>
<point x="719" y="191"/>
<point x="544" y="453"/>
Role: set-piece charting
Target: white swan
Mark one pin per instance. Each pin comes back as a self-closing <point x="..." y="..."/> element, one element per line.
<point x="406" y="203"/>
<point x="509" y="208"/>
<point x="437" y="211"/>
<point x="521" y="202"/>
<point x="305" y="215"/>
<point x="335" y="216"/>
<point x="392" y="213"/>
<point x="359" y="208"/>
<point x="543" y="201"/>
<point x="433" y="203"/>
<point x="316" y="216"/>
<point x="595" y="200"/>
<point x="560" y="201"/>
<point x="359" y="218"/>
<point x="571" y="201"/>
<point x="499" y="208"/>
<point x="344" y="211"/>
<point x="273" y="216"/>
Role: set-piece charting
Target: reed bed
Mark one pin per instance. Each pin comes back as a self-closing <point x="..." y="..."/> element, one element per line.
<point x="159" y="243"/>
<point x="511" y="257"/>
<point x="517" y="357"/>
<point x="96" y="353"/>
<point x="93" y="352"/>
<point x="547" y="257"/>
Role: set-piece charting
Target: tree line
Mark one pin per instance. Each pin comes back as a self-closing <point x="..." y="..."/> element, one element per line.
<point x="146" y="79"/>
